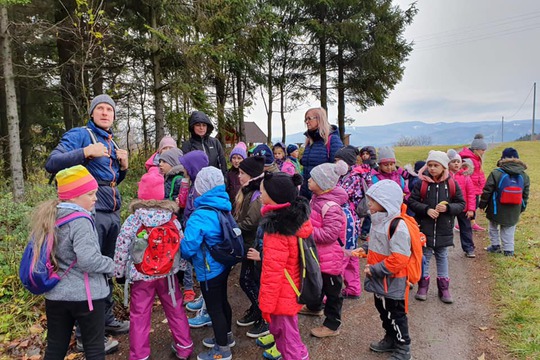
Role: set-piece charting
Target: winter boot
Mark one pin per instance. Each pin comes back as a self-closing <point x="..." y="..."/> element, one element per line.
<point x="402" y="352"/>
<point x="423" y="287"/>
<point x="444" y="290"/>
<point x="387" y="344"/>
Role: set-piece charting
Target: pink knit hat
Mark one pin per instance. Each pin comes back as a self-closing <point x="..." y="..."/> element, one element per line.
<point x="166" y="141"/>
<point x="152" y="185"/>
<point x="74" y="182"/>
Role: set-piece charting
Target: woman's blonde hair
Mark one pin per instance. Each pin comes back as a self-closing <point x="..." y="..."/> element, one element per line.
<point x="322" y="124"/>
<point x="43" y="222"/>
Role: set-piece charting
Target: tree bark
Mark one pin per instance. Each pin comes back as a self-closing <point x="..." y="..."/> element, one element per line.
<point x="322" y="69"/>
<point x="221" y="97"/>
<point x="341" y="93"/>
<point x="17" y="178"/>
<point x="159" y="105"/>
<point x="241" y="99"/>
<point x="282" y="111"/>
<point x="270" y="99"/>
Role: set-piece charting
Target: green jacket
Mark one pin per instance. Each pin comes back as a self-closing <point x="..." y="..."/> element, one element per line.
<point x="507" y="215"/>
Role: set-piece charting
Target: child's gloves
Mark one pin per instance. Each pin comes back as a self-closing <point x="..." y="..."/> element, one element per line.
<point x="359" y="253"/>
<point x="266" y="317"/>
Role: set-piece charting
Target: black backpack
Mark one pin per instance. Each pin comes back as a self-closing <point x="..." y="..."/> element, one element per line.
<point x="230" y="250"/>
<point x="310" y="273"/>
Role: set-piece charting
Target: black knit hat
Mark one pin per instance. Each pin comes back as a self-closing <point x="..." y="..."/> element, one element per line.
<point x="253" y="165"/>
<point x="282" y="187"/>
<point x="348" y="154"/>
<point x="509" y="153"/>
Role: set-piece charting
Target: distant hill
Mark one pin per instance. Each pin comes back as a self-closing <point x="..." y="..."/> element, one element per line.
<point x="441" y="133"/>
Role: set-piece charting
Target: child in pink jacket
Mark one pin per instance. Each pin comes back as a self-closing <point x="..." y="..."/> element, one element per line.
<point x="328" y="220"/>
<point x="462" y="176"/>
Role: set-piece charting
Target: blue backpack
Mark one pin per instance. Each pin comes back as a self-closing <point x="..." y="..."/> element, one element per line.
<point x="230" y="250"/>
<point x="349" y="235"/>
<point x="509" y="190"/>
<point x="40" y="277"/>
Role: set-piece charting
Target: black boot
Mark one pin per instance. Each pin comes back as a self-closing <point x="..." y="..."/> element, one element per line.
<point x="402" y="352"/>
<point x="387" y="344"/>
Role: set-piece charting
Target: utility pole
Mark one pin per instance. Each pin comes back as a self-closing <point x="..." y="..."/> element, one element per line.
<point x="502" y="129"/>
<point x="534" y="109"/>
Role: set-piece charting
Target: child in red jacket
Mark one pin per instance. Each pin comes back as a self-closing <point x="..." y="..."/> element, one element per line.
<point x="285" y="218"/>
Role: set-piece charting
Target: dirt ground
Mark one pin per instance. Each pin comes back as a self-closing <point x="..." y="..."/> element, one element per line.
<point x="462" y="330"/>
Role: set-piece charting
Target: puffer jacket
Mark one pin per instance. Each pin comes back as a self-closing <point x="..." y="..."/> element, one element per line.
<point x="377" y="175"/>
<point x="78" y="240"/>
<point x="210" y="145"/>
<point x="316" y="153"/>
<point x="463" y="179"/>
<point x="193" y="162"/>
<point x="203" y="225"/>
<point x="327" y="230"/>
<point x="478" y="177"/>
<point x="153" y="161"/>
<point x="282" y="225"/>
<point x="249" y="214"/>
<point x="439" y="232"/>
<point x="173" y="180"/>
<point x="507" y="215"/>
<point x="106" y="170"/>
<point x="388" y="258"/>
<point x="149" y="213"/>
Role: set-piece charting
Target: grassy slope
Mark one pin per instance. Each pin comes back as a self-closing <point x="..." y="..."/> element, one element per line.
<point x="517" y="290"/>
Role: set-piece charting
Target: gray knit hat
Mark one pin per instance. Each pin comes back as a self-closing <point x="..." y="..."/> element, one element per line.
<point x="327" y="175"/>
<point x="386" y="154"/>
<point x="103" y="98"/>
<point x="208" y="178"/>
<point x="478" y="143"/>
<point x="171" y="156"/>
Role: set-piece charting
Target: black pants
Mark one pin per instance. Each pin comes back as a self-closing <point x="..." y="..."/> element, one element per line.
<point x="61" y="316"/>
<point x="394" y="318"/>
<point x="332" y="285"/>
<point x="366" y="225"/>
<point x="465" y="232"/>
<point x="250" y="280"/>
<point x="215" y="296"/>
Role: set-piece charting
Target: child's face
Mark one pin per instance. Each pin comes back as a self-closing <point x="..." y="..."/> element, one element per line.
<point x="295" y="154"/>
<point x="387" y="167"/>
<point x="86" y="201"/>
<point x="279" y="154"/>
<point x="374" y="206"/>
<point x="236" y="160"/>
<point x="164" y="167"/>
<point x="314" y="187"/>
<point x="435" y="169"/>
<point x="265" y="199"/>
<point x="243" y="177"/>
<point x="365" y="155"/>
<point x="454" y="165"/>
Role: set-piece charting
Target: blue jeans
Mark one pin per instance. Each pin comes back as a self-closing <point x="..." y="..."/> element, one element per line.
<point x="465" y="232"/>
<point x="441" y="258"/>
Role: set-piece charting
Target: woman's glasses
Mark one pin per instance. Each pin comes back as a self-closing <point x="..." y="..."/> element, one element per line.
<point x="310" y="118"/>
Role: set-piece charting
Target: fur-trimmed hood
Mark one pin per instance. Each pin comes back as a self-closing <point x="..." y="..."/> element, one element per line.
<point x="166" y="205"/>
<point x="288" y="220"/>
<point x="512" y="165"/>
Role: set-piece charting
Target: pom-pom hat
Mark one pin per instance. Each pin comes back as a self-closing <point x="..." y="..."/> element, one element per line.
<point x="327" y="175"/>
<point x="281" y="187"/>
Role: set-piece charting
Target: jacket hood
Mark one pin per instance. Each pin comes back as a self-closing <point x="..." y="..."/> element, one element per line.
<point x="468" y="153"/>
<point x="175" y="170"/>
<point x="166" y="205"/>
<point x="424" y="175"/>
<point x="388" y="194"/>
<point x="289" y="220"/>
<point x="193" y="162"/>
<point x="337" y="194"/>
<point x="512" y="165"/>
<point x="370" y="150"/>
<point x="200" y="117"/>
<point x="217" y="198"/>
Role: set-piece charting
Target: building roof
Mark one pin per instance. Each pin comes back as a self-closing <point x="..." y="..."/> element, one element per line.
<point x="254" y="134"/>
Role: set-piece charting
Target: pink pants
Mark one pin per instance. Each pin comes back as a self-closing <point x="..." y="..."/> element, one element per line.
<point x="351" y="276"/>
<point x="140" y="317"/>
<point x="287" y="337"/>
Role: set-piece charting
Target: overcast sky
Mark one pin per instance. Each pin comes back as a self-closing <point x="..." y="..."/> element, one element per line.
<point x="472" y="61"/>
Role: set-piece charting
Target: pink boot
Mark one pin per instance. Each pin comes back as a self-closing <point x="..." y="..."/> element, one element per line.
<point x="444" y="290"/>
<point x="423" y="287"/>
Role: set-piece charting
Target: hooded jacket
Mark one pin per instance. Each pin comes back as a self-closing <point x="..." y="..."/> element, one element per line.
<point x="388" y="258"/>
<point x="106" y="170"/>
<point x="210" y="145"/>
<point x="203" y="225"/>
<point x="463" y="179"/>
<point x="150" y="213"/>
<point x="249" y="215"/>
<point x="327" y="230"/>
<point x="282" y="225"/>
<point x="439" y="232"/>
<point x="507" y="215"/>
<point x="377" y="175"/>
<point x="78" y="240"/>
<point x="478" y="177"/>
<point x="173" y="180"/>
<point x="372" y="161"/>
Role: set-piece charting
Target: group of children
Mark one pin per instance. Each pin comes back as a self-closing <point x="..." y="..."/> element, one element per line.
<point x="262" y="191"/>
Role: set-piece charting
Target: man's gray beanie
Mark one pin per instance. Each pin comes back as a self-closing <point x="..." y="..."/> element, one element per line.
<point x="103" y="98"/>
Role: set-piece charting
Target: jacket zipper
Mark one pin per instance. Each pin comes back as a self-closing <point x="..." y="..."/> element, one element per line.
<point x="113" y="173"/>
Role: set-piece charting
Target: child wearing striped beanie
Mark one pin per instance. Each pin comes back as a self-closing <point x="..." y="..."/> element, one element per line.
<point x="74" y="182"/>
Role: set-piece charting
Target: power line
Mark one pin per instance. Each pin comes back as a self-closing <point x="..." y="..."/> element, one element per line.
<point x="524" y="101"/>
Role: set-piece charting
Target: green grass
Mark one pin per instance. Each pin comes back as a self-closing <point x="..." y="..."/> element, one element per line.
<point x="517" y="280"/>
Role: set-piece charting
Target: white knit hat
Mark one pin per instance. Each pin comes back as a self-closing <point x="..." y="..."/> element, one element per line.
<point x="438" y="156"/>
<point x="208" y="178"/>
<point x="327" y="175"/>
<point x="453" y="155"/>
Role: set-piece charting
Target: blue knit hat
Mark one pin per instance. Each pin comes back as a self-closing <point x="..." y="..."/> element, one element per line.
<point x="291" y="148"/>
<point x="264" y="150"/>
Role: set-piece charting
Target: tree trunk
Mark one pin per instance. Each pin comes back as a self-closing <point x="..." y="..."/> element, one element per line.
<point x="159" y="105"/>
<point x="221" y="97"/>
<point x="282" y="111"/>
<point x="17" y="179"/>
<point x="341" y="93"/>
<point x="322" y="69"/>
<point x="270" y="99"/>
<point x="241" y="99"/>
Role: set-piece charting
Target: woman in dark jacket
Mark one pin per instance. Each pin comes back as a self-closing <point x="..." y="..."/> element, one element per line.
<point x="322" y="143"/>
<point x="200" y="128"/>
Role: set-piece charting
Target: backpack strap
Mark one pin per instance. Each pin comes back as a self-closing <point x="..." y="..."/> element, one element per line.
<point x="94" y="140"/>
<point x="172" y="186"/>
<point x="451" y="187"/>
<point x="255" y="195"/>
<point x="423" y="190"/>
<point x="393" y="226"/>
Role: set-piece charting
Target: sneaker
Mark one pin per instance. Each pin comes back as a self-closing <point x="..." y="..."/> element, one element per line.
<point x="306" y="311"/>
<point x="387" y="344"/>
<point x="272" y="353"/>
<point x="111" y="345"/>
<point x="196" y="304"/>
<point x="217" y="352"/>
<point x="175" y="351"/>
<point x="477" y="227"/>
<point x="323" y="331"/>
<point x="260" y="328"/>
<point x="266" y="341"/>
<point x="211" y="342"/>
<point x="202" y="319"/>
<point x="456" y="228"/>
<point x="117" y="327"/>
<point x="493" y="249"/>
<point x="249" y="318"/>
<point x="189" y="296"/>
<point x="470" y="254"/>
<point x="508" y="253"/>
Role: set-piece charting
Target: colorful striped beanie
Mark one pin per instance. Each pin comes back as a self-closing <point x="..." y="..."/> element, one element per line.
<point x="74" y="182"/>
